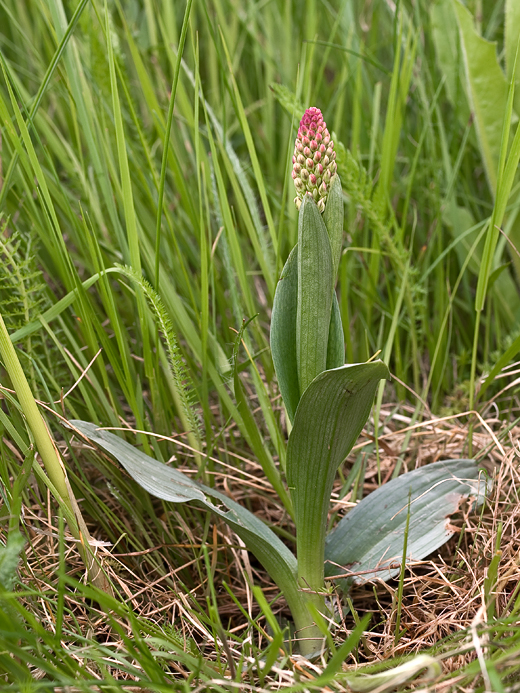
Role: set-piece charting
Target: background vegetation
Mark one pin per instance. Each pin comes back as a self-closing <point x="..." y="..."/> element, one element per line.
<point x="92" y="200"/>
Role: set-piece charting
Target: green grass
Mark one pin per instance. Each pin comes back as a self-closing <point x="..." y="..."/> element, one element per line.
<point x="120" y="160"/>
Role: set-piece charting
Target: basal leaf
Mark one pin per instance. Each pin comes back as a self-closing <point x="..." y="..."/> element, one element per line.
<point x="315" y="287"/>
<point x="283" y="334"/>
<point x="169" y="484"/>
<point x="328" y="421"/>
<point x="368" y="541"/>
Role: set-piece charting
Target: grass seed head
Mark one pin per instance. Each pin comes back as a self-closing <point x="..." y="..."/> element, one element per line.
<point x="314" y="159"/>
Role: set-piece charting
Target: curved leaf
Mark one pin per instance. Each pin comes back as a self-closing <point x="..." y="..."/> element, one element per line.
<point x="328" y="421"/>
<point x="369" y="540"/>
<point x="487" y="90"/>
<point x="169" y="484"/>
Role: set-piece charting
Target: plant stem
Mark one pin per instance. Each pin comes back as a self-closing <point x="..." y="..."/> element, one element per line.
<point x="311" y="582"/>
<point x="50" y="456"/>
<point x="309" y="637"/>
<point x="472" y="380"/>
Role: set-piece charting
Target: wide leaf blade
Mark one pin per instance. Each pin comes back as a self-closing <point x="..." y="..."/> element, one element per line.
<point x="487" y="89"/>
<point x="283" y="334"/>
<point x="169" y="484"/>
<point x="328" y="421"/>
<point x="369" y="540"/>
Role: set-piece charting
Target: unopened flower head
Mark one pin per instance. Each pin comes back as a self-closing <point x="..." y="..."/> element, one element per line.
<point x="314" y="159"/>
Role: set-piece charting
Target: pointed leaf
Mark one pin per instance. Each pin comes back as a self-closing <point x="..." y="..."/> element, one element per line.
<point x="446" y="39"/>
<point x="169" y="484"/>
<point x="315" y="285"/>
<point x="369" y="539"/>
<point x="336" y="345"/>
<point x="283" y="334"/>
<point x="487" y="90"/>
<point x="328" y="421"/>
<point x="512" y="36"/>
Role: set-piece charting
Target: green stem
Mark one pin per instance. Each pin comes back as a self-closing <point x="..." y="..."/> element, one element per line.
<point x="308" y="636"/>
<point x="310" y="552"/>
<point x="472" y="380"/>
<point x="49" y="454"/>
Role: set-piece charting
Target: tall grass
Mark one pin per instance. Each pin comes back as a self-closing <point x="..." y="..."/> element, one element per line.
<point x="144" y="139"/>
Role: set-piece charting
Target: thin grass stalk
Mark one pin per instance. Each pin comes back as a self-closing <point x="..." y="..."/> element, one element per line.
<point x="50" y="456"/>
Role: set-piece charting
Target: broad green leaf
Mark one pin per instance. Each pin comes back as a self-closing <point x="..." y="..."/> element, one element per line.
<point x="448" y="52"/>
<point x="336" y="345"/>
<point x="283" y="334"/>
<point x="507" y="168"/>
<point x="315" y="287"/>
<point x="512" y="36"/>
<point x="486" y="87"/>
<point x="171" y="485"/>
<point x="333" y="219"/>
<point x="328" y="421"/>
<point x="368" y="541"/>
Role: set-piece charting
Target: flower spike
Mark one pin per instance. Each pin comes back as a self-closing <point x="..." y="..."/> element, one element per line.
<point x="314" y="159"/>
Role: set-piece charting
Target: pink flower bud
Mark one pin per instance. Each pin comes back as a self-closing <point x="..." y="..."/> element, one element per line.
<point x="314" y="164"/>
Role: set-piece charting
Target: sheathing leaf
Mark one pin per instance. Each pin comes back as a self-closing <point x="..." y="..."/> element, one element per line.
<point x="315" y="287"/>
<point x="328" y="421"/>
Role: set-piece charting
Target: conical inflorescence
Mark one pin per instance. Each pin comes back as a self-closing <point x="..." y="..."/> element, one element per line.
<point x="314" y="159"/>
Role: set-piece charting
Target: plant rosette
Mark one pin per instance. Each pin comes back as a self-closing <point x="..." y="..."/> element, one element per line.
<point x="328" y="403"/>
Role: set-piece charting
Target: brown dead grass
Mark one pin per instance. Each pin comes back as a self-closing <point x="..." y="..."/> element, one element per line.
<point x="443" y="596"/>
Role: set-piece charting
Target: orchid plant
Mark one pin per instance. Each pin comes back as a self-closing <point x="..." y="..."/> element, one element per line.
<point x="327" y="404"/>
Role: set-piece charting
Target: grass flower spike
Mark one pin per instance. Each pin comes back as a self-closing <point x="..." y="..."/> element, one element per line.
<point x="314" y="159"/>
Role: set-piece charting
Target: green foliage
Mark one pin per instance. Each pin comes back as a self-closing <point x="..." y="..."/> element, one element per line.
<point x="419" y="102"/>
<point x="435" y="492"/>
<point x="331" y="407"/>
